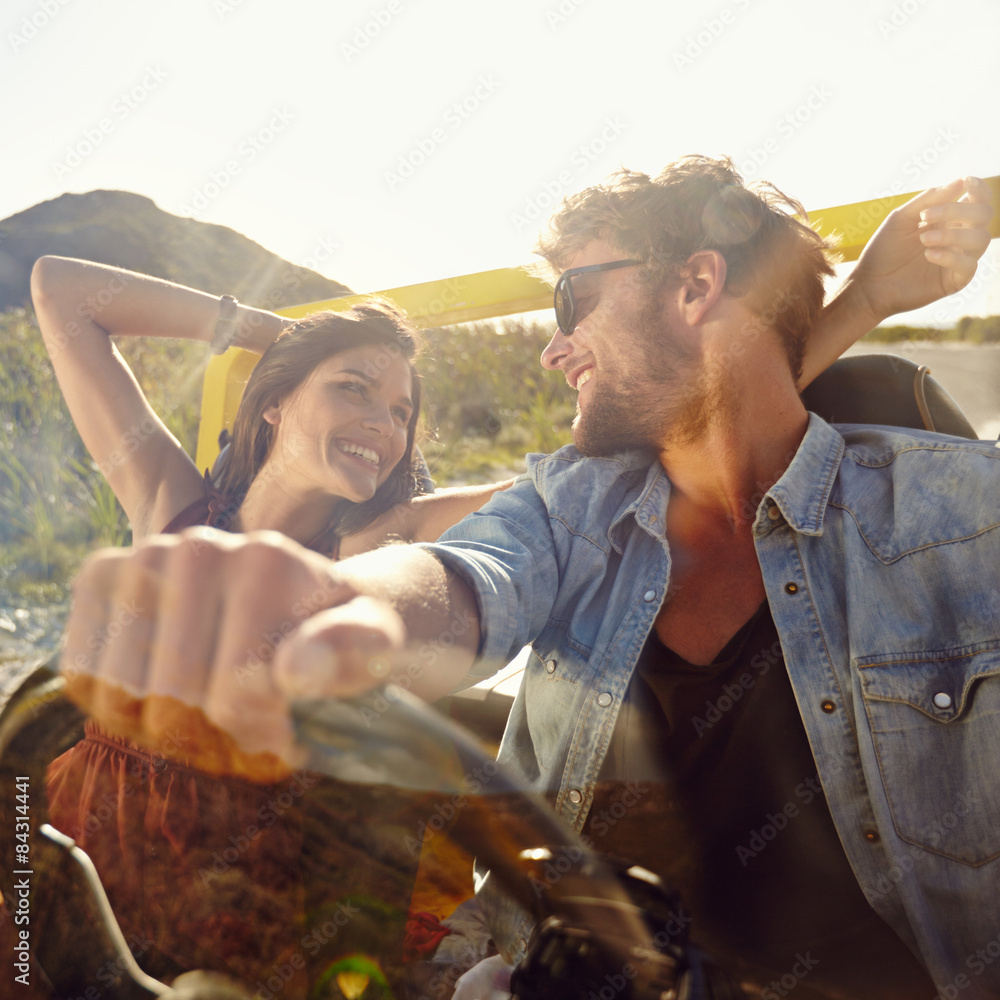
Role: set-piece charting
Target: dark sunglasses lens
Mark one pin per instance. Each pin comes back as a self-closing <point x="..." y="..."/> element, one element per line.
<point x="564" y="305"/>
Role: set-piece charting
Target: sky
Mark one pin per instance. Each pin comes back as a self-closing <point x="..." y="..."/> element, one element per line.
<point x="384" y="142"/>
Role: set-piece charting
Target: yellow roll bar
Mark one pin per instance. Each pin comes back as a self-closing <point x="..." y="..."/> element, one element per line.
<point x="489" y="294"/>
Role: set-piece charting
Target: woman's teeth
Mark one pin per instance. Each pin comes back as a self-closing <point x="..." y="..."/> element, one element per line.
<point x="366" y="453"/>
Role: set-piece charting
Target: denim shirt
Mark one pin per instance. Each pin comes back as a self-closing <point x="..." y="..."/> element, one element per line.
<point x="880" y="554"/>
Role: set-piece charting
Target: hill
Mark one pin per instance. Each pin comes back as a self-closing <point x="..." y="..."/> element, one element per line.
<point x="129" y="230"/>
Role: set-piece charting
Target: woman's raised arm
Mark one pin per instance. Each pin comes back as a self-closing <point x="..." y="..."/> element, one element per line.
<point x="80" y="306"/>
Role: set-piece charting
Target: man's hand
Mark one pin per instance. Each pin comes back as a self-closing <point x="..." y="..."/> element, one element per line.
<point x="925" y="249"/>
<point x="180" y="635"/>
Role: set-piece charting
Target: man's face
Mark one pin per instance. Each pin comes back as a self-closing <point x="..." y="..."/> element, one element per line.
<point x="639" y="385"/>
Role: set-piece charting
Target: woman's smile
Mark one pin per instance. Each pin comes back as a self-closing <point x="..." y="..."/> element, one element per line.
<point x="345" y="428"/>
<point x="366" y="454"/>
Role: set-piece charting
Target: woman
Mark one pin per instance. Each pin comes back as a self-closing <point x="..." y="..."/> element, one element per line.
<point x="323" y="440"/>
<point x="210" y="871"/>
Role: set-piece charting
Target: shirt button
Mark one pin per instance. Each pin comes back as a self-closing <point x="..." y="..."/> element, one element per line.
<point x="872" y="836"/>
<point x="575" y="796"/>
<point x="942" y="700"/>
<point x="604" y="699"/>
<point x="829" y="706"/>
<point x="649" y="596"/>
<point x="773" y="513"/>
<point x="791" y="588"/>
<point x="550" y="666"/>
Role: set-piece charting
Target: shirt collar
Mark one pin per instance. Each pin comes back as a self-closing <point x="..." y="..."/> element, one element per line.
<point x="803" y="492"/>
<point x="649" y="509"/>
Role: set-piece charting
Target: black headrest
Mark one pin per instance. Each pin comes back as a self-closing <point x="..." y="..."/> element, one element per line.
<point x="885" y="389"/>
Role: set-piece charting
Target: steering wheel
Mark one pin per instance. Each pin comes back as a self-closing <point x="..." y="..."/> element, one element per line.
<point x="596" y="924"/>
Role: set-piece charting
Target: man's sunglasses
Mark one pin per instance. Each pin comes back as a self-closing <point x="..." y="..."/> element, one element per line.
<point x="565" y="301"/>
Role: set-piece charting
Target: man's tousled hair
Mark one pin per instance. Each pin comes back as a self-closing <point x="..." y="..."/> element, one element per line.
<point x="773" y="261"/>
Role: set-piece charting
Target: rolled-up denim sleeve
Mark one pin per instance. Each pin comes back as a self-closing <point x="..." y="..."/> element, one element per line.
<point x="505" y="552"/>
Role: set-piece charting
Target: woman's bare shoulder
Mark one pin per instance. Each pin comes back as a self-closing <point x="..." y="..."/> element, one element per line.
<point x="422" y="519"/>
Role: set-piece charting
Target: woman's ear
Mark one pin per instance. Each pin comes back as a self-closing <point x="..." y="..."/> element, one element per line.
<point x="272" y="414"/>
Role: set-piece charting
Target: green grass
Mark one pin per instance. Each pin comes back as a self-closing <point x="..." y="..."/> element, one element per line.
<point x="969" y="330"/>
<point x="487" y="403"/>
<point x="54" y="504"/>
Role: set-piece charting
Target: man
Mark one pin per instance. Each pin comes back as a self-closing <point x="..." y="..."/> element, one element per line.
<point x="702" y="512"/>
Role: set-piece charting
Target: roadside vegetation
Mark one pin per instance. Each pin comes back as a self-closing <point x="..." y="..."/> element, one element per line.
<point x="976" y="330"/>
<point x="487" y="404"/>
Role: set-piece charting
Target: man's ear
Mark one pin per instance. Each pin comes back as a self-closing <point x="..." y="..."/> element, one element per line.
<point x="703" y="281"/>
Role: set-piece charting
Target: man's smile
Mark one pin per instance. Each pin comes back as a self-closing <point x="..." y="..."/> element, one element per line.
<point x="579" y="376"/>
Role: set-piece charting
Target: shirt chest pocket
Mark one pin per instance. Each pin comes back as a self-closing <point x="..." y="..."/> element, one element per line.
<point x="935" y="723"/>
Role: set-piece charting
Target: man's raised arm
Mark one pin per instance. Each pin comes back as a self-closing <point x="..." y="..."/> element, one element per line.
<point x="924" y="250"/>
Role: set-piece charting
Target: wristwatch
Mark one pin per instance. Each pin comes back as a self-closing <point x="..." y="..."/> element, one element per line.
<point x="226" y="325"/>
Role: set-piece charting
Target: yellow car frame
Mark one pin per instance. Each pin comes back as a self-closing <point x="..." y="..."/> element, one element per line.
<point x="490" y="294"/>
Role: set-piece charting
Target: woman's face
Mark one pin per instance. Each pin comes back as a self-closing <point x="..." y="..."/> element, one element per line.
<point x="343" y="430"/>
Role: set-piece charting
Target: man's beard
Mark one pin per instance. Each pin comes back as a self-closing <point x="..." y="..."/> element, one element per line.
<point x="661" y="397"/>
<point x="613" y="423"/>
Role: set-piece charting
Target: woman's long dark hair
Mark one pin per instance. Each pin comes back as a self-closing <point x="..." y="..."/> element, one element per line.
<point x="286" y="364"/>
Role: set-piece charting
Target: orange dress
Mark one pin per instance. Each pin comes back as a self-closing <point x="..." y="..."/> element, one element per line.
<point x="272" y="884"/>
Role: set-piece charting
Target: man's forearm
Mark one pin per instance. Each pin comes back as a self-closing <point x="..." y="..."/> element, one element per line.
<point x="439" y="611"/>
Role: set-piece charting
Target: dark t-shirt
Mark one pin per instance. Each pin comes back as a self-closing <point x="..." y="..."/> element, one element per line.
<point x="722" y="799"/>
